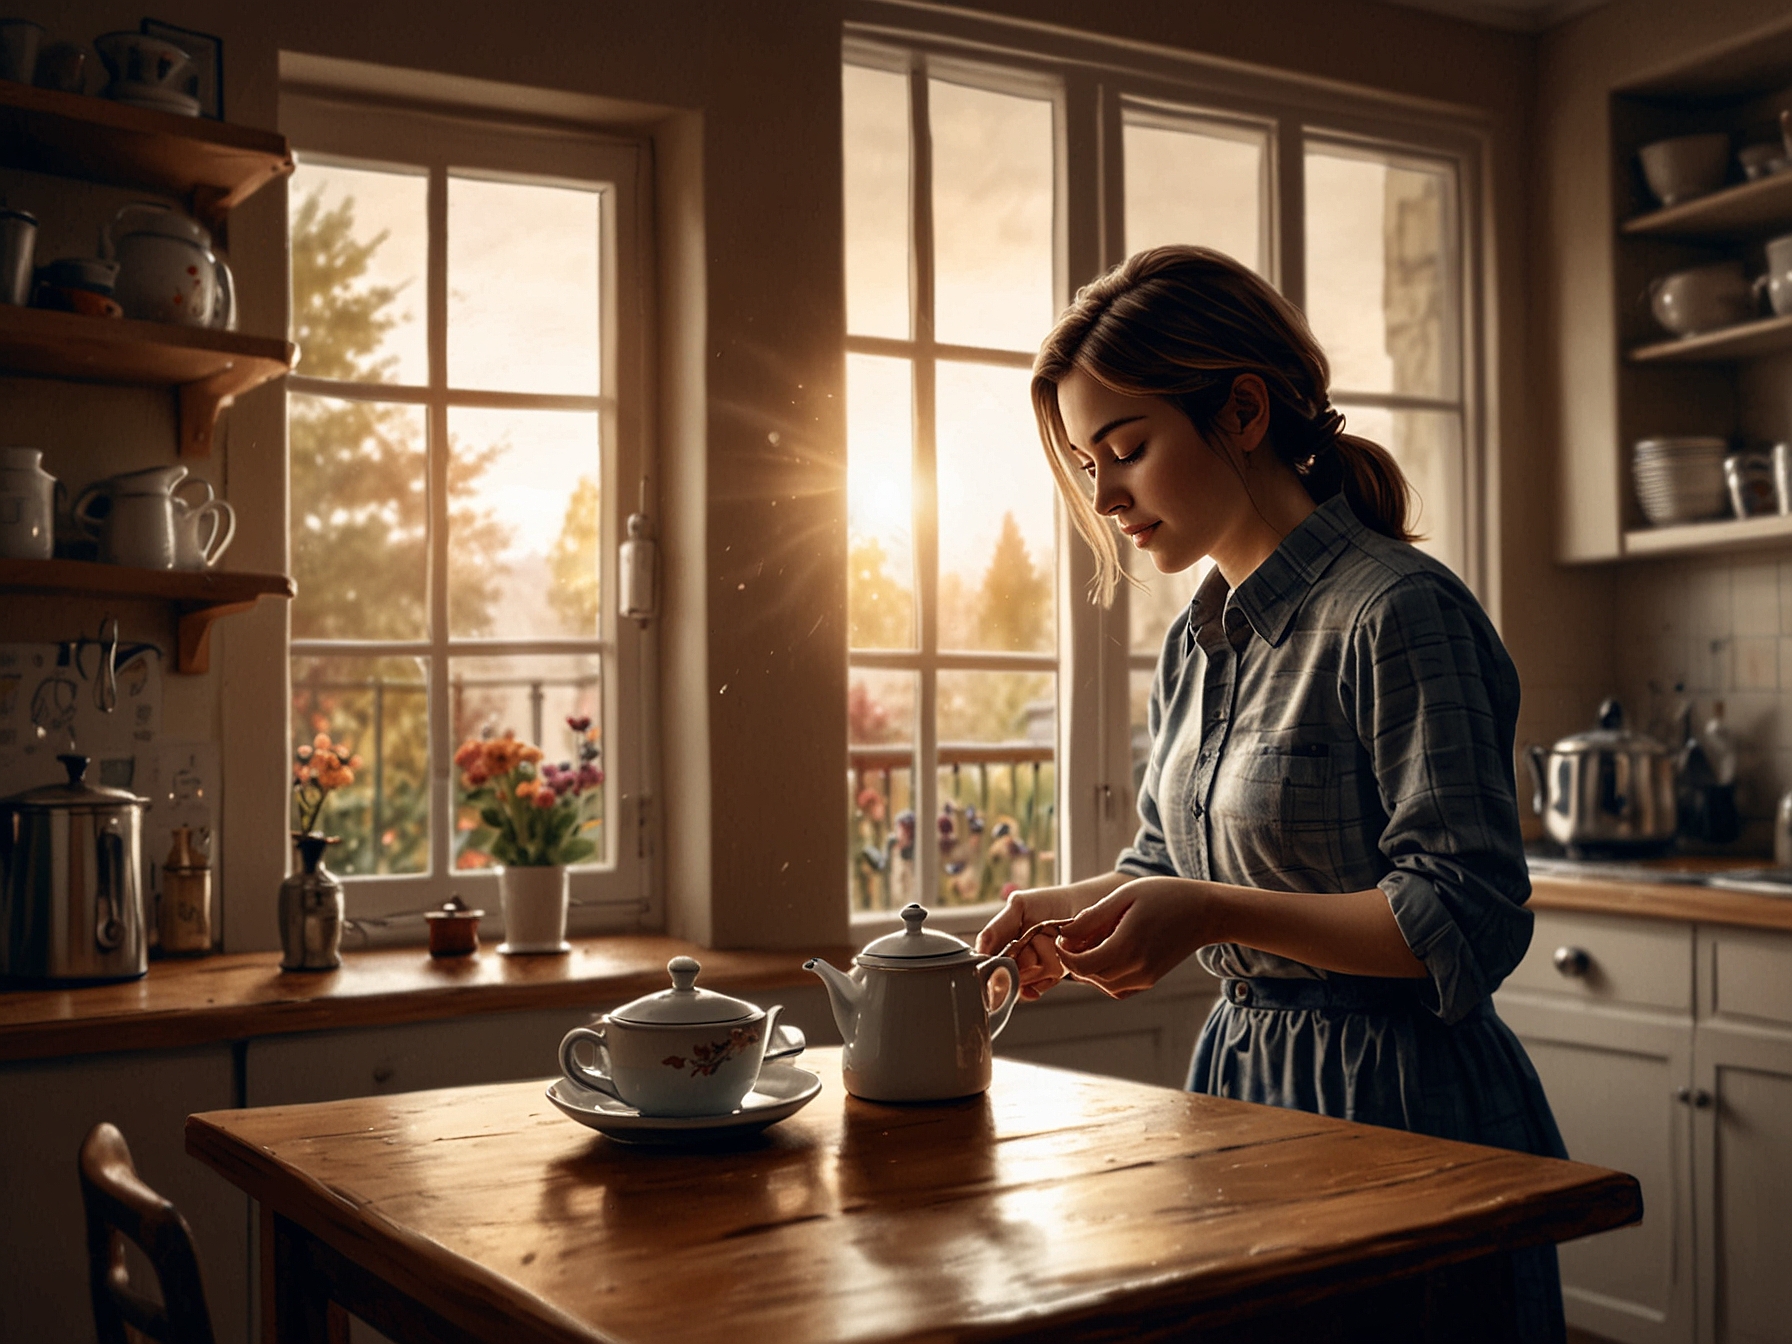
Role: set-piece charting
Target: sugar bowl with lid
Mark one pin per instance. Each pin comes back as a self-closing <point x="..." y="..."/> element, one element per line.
<point x="683" y="1051"/>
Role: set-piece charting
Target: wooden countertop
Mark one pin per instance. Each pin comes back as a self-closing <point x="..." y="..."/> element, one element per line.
<point x="236" y="996"/>
<point x="1689" y="902"/>
<point x="1057" y="1206"/>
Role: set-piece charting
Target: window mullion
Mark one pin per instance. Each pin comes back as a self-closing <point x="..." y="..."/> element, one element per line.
<point x="441" y="727"/>
<point x="1286" y="212"/>
<point x="926" y="502"/>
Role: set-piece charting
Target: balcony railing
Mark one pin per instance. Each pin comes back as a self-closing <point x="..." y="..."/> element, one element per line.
<point x="997" y="823"/>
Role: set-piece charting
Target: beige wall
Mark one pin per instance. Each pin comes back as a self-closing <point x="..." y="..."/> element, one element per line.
<point x="752" y="311"/>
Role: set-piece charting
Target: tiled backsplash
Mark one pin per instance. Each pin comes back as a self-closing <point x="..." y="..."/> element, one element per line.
<point x="1721" y="629"/>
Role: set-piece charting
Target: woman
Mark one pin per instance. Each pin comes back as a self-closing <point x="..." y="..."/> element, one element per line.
<point x="1328" y="819"/>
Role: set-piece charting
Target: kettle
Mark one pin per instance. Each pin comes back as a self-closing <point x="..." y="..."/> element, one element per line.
<point x="913" y="1014"/>
<point x="71" y="893"/>
<point x="1607" y="791"/>
<point x="167" y="271"/>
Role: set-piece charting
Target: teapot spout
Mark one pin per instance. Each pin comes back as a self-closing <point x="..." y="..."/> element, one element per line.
<point x="843" y="993"/>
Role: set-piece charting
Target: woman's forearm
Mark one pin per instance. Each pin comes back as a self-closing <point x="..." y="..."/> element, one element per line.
<point x="1353" y="932"/>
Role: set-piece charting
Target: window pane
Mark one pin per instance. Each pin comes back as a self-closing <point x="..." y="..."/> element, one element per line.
<point x="880" y="502"/>
<point x="525" y="528"/>
<point x="378" y="709"/>
<point x="1162" y="599"/>
<point x="360" y="251"/>
<point x="1195" y="182"/>
<point x="878" y="215"/>
<point x="532" y="698"/>
<point x="1428" y="447"/>
<point x="992" y="216"/>
<point x="997" y="821"/>
<point x="997" y="526"/>
<point x="1380" y="273"/>
<point x="359" y="519"/>
<point x="880" y="713"/>
<point x="522" y="287"/>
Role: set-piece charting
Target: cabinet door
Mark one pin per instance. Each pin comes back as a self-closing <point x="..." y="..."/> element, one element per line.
<point x="46" y="1109"/>
<point x="1742" y="1133"/>
<point x="1613" y="1080"/>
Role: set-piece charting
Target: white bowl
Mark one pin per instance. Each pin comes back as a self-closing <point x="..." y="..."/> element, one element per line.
<point x="1686" y="165"/>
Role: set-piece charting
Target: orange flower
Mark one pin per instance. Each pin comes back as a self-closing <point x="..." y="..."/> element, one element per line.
<point x="526" y="788"/>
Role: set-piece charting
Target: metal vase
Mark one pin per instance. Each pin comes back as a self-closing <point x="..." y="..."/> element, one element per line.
<point x="311" y="911"/>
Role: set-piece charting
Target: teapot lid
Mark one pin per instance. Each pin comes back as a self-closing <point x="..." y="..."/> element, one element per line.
<point x="684" y="1004"/>
<point x="77" y="792"/>
<point x="1610" y="735"/>
<point x="914" y="944"/>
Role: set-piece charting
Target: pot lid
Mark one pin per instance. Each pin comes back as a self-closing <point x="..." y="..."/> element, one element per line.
<point x="914" y="944"/>
<point x="684" y="1004"/>
<point x="1610" y="736"/>
<point x="77" y="792"/>
<point x="158" y="219"/>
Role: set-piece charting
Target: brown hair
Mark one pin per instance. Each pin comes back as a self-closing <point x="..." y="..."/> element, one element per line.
<point x="1182" y="323"/>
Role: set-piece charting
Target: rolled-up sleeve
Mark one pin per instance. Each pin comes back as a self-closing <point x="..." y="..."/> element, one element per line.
<point x="1435" y="700"/>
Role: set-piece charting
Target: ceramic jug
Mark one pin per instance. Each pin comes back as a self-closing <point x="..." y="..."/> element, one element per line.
<point x="27" y="505"/>
<point x="132" y="517"/>
<point x="913" y="1014"/>
<point x="203" y="525"/>
<point x="167" y="271"/>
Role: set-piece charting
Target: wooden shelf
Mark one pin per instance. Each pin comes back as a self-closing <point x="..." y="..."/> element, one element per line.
<point x="1743" y="341"/>
<point x="1718" y="534"/>
<point x="209" y="369"/>
<point x="212" y="165"/>
<point x="199" y="597"/>
<point x="1748" y="210"/>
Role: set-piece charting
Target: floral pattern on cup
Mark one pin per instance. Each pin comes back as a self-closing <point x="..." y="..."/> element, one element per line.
<point x="706" y="1059"/>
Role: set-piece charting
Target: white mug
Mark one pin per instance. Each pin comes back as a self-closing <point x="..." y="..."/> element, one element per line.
<point x="202" y="531"/>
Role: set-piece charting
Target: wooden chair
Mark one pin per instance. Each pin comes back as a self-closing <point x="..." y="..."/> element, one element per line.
<point x="120" y="1205"/>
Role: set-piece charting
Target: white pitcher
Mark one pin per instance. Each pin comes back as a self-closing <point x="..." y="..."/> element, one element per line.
<point x="27" y="505"/>
<point x="131" y="516"/>
<point x="203" y="526"/>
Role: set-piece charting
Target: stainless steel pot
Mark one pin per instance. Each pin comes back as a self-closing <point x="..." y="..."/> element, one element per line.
<point x="71" y="893"/>
<point x="1606" y="791"/>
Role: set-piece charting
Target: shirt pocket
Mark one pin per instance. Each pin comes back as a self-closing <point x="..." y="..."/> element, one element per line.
<point x="1295" y="781"/>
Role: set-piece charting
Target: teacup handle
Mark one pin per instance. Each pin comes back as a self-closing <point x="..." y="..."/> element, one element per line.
<point x="782" y="1040"/>
<point x="80" y="513"/>
<point x="598" y="1080"/>
<point x="223" y="530"/>
<point x="998" y="1016"/>
<point x="199" y="483"/>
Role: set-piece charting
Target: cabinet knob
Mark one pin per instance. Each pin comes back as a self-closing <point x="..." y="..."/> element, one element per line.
<point x="1696" y="1097"/>
<point x="1573" y="962"/>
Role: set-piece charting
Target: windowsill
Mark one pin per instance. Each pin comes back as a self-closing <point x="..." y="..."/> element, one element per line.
<point x="210" y="1000"/>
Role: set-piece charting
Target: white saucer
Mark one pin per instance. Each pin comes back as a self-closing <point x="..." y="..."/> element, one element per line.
<point x="534" y="949"/>
<point x="782" y="1091"/>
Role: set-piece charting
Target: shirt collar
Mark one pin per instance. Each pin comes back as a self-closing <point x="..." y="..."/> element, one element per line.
<point x="1273" y="592"/>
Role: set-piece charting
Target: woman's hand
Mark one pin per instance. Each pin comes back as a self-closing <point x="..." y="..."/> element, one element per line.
<point x="1132" y="939"/>
<point x="1038" y="960"/>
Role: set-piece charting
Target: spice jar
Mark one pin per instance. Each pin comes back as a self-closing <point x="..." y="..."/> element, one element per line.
<point x="185" y="917"/>
<point x="454" y="929"/>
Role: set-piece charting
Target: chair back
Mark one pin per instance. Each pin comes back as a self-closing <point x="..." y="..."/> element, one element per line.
<point x="120" y="1205"/>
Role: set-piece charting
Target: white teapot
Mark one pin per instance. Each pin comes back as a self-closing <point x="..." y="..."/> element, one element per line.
<point x="914" y="1016"/>
<point x="167" y="271"/>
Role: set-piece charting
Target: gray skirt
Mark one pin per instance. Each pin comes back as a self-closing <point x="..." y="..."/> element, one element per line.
<point x="1366" y="1050"/>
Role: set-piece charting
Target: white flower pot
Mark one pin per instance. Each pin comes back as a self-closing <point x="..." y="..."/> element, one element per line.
<point x="534" y="909"/>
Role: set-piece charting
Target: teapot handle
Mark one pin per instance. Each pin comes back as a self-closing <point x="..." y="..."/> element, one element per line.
<point x="998" y="1016"/>
<point x="108" y="240"/>
<point x="223" y="315"/>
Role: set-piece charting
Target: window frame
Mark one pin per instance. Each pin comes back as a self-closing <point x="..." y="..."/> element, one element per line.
<point x="1097" y="79"/>
<point x="330" y="126"/>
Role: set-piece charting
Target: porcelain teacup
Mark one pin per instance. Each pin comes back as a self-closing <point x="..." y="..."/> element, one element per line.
<point x="680" y="1052"/>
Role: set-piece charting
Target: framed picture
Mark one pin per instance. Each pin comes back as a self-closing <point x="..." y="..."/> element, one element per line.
<point x="204" y="80"/>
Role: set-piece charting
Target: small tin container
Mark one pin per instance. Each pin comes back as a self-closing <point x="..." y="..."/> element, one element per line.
<point x="454" y="929"/>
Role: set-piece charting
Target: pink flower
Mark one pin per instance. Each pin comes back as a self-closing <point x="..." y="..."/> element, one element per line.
<point x="589" y="777"/>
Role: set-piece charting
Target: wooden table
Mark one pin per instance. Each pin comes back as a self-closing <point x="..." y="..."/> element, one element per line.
<point x="1060" y="1202"/>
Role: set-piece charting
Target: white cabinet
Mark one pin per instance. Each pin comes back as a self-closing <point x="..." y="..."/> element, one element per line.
<point x="46" y="1109"/>
<point x="1666" y="1051"/>
<point x="1148" y="1038"/>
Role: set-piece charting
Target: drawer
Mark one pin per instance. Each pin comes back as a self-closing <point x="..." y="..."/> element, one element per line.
<point x="1746" y="976"/>
<point x="1627" y="962"/>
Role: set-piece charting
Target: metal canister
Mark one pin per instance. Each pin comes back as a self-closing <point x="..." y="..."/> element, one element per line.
<point x="185" y="916"/>
<point x="71" y="893"/>
<point x="18" y="249"/>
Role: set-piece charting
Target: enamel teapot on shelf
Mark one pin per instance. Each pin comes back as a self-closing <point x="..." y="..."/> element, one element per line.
<point x="914" y="1015"/>
<point x="167" y="271"/>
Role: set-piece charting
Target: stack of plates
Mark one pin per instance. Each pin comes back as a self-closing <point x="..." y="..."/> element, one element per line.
<point x="153" y="96"/>
<point x="1681" y="480"/>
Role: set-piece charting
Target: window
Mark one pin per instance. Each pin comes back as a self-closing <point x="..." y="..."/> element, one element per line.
<point x="465" y="448"/>
<point x="997" y="717"/>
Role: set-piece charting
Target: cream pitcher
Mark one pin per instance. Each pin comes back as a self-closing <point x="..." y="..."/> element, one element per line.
<point x="913" y="1014"/>
<point x="132" y="516"/>
<point x="27" y="505"/>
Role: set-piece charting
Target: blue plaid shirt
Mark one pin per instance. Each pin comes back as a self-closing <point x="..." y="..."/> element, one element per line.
<point x="1344" y="720"/>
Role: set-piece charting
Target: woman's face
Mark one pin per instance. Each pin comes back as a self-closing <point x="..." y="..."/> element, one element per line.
<point x="1174" y="494"/>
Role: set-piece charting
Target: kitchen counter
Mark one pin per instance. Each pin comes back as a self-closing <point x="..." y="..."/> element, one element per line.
<point x="1652" y="891"/>
<point x="243" y="995"/>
